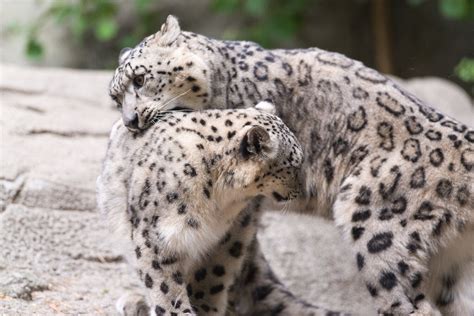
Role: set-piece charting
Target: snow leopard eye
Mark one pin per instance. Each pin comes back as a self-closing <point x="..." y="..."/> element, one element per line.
<point x="138" y="81"/>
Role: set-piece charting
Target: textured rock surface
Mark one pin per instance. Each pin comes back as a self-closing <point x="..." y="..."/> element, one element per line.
<point x="56" y="256"/>
<point x="444" y="95"/>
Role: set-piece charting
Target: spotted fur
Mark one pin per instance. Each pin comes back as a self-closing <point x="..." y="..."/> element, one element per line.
<point x="187" y="191"/>
<point x="395" y="174"/>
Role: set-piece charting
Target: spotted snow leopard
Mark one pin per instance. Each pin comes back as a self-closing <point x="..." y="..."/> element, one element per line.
<point x="396" y="175"/>
<point x="180" y="193"/>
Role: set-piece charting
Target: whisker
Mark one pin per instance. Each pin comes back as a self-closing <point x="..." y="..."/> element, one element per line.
<point x="174" y="111"/>
<point x="286" y="208"/>
<point x="174" y="98"/>
<point x="156" y="110"/>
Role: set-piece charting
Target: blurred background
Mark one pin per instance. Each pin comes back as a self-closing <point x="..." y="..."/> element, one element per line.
<point x="406" y="38"/>
<point x="56" y="254"/>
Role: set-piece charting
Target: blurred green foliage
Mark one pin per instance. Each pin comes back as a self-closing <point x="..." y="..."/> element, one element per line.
<point x="96" y="18"/>
<point x="268" y="22"/>
<point x="460" y="10"/>
<point x="272" y="24"/>
<point x="465" y="69"/>
<point x="457" y="9"/>
<point x="451" y="9"/>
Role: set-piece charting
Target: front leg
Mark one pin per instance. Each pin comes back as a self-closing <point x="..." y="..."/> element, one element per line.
<point x="132" y="303"/>
<point x="161" y="271"/>
<point x="208" y="281"/>
<point x="212" y="280"/>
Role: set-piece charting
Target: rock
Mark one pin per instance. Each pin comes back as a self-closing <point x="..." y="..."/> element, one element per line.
<point x="21" y="284"/>
<point x="54" y="135"/>
<point x="310" y="257"/>
<point x="54" y="127"/>
<point x="443" y="95"/>
<point x="63" y="258"/>
<point x="56" y="255"/>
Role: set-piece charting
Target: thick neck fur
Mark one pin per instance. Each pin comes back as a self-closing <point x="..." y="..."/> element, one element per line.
<point x="243" y="74"/>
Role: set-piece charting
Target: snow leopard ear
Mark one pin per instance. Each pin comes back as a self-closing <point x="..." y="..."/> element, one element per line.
<point x="124" y="54"/>
<point x="256" y="142"/>
<point x="266" y="106"/>
<point x="169" y="32"/>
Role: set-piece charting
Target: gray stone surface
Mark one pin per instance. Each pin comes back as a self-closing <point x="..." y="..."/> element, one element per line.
<point x="56" y="255"/>
<point x="444" y="95"/>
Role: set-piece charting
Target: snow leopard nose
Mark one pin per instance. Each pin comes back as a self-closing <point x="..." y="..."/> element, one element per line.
<point x="131" y="121"/>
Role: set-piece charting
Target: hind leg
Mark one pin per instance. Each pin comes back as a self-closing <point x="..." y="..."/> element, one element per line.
<point x="393" y="276"/>
<point x="392" y="241"/>
<point x="258" y="291"/>
<point x="452" y="269"/>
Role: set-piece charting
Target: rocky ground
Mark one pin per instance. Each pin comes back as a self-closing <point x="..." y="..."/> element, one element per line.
<point x="56" y="256"/>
